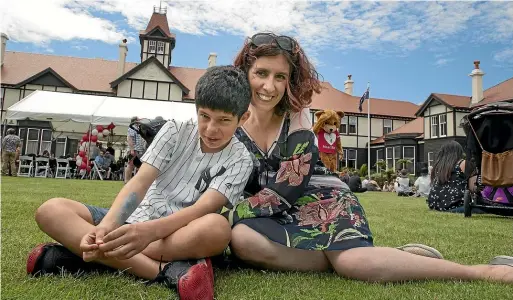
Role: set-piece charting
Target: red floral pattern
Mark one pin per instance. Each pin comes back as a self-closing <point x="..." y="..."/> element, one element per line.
<point x="294" y="170"/>
<point x="264" y="198"/>
<point x="321" y="213"/>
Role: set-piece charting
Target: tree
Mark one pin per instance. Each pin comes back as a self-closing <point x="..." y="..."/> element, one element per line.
<point x="381" y="165"/>
<point x="403" y="162"/>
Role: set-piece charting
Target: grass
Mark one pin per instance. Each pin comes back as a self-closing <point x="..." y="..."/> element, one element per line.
<point x="394" y="221"/>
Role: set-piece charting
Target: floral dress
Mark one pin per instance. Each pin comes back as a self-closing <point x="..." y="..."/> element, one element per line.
<point x="449" y="195"/>
<point x="290" y="205"/>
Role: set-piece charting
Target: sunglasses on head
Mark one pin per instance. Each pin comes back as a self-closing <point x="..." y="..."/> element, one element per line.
<point x="284" y="42"/>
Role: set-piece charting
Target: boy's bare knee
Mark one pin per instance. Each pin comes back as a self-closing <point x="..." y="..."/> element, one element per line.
<point x="214" y="229"/>
<point x="48" y="209"/>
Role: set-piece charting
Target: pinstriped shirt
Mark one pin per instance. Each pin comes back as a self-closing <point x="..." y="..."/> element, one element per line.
<point x="185" y="172"/>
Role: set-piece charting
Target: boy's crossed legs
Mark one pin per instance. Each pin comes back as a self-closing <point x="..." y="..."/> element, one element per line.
<point x="68" y="221"/>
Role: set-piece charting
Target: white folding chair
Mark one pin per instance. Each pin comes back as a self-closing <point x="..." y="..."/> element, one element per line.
<point x="26" y="165"/>
<point x="42" y="167"/>
<point x="97" y="172"/>
<point x="63" y="169"/>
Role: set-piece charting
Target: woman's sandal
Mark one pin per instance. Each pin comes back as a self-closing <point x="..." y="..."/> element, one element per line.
<point x="422" y="250"/>
<point x="502" y="260"/>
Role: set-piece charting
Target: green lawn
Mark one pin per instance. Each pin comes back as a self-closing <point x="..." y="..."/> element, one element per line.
<point x="394" y="221"/>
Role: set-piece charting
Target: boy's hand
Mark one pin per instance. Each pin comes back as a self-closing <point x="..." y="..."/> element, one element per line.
<point x="90" y="243"/>
<point x="127" y="241"/>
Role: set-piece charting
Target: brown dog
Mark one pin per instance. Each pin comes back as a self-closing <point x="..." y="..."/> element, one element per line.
<point x="326" y="129"/>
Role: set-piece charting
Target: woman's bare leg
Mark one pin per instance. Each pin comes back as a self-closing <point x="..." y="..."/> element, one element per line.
<point x="377" y="264"/>
<point x="257" y="250"/>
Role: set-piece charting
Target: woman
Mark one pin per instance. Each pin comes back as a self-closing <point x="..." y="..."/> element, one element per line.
<point x="298" y="220"/>
<point x="448" y="180"/>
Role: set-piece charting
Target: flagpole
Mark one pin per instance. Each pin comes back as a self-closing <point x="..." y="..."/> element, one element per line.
<point x="368" y="134"/>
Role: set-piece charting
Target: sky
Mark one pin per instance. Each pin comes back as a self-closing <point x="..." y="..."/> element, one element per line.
<point x="404" y="50"/>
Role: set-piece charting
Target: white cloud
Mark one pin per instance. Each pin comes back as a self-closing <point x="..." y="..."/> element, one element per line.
<point x="380" y="27"/>
<point x="80" y="47"/>
<point x="443" y="61"/>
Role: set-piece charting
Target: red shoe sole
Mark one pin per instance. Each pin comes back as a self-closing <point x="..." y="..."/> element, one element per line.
<point x="34" y="255"/>
<point x="198" y="283"/>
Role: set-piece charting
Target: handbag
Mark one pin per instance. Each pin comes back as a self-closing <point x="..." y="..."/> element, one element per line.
<point x="496" y="168"/>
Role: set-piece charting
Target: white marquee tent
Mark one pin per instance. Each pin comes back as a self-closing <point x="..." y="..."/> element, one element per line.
<point x="74" y="113"/>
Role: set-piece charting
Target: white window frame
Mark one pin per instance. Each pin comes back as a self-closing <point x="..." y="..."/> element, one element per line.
<point x="29" y="141"/>
<point x="397" y="158"/>
<point x="355" y="158"/>
<point x="391" y="157"/>
<point x="152" y="46"/>
<point x="413" y="158"/>
<point x="377" y="159"/>
<point x="435" y="124"/>
<point x="442" y="126"/>
<point x="386" y="126"/>
<point x="58" y="141"/>
<point x="355" y="118"/>
<point x="160" y="47"/>
<point x="344" y="121"/>
<point x="43" y="142"/>
<point x="430" y="158"/>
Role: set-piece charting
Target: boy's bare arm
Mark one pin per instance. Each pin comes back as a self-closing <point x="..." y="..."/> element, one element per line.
<point x="129" y="197"/>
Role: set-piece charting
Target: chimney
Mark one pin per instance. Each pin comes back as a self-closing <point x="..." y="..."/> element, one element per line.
<point x="123" y="49"/>
<point x="4" y="43"/>
<point x="348" y="85"/>
<point x="477" y="83"/>
<point x="212" y="58"/>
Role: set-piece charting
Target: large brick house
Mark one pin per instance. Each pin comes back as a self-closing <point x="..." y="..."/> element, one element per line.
<point x="438" y="121"/>
<point x="398" y="128"/>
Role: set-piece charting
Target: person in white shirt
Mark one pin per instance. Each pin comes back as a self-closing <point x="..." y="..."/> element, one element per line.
<point x="168" y="212"/>
<point x="402" y="184"/>
<point x="423" y="183"/>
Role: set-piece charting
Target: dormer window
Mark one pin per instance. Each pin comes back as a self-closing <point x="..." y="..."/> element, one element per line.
<point x="152" y="45"/>
<point x="160" y="47"/>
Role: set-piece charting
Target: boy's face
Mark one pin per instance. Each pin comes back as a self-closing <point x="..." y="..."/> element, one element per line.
<point x="216" y="128"/>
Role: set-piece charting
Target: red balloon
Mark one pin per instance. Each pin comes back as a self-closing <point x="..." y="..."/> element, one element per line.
<point x="94" y="138"/>
<point x="83" y="166"/>
<point x="99" y="128"/>
<point x="88" y="168"/>
<point x="85" y="138"/>
<point x="111" y="126"/>
<point x="81" y="153"/>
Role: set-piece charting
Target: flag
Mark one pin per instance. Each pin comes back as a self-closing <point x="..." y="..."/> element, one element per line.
<point x="362" y="99"/>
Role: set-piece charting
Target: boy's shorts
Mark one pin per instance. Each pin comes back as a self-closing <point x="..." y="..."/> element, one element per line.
<point x="97" y="213"/>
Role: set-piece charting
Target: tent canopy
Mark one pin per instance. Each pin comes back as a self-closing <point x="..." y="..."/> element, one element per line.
<point x="93" y="109"/>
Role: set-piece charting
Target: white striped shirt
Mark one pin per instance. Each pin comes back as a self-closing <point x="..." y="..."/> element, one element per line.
<point x="185" y="172"/>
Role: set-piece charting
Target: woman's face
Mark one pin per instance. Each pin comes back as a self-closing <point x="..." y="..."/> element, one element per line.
<point x="268" y="77"/>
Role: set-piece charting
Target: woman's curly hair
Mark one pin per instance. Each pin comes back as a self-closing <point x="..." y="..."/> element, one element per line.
<point x="303" y="80"/>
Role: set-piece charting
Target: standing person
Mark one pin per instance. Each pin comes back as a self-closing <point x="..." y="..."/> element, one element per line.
<point x="167" y="214"/>
<point x="10" y="145"/>
<point x="136" y="148"/>
<point x="299" y="221"/>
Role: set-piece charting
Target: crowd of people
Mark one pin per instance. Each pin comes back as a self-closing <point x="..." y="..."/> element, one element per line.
<point x="252" y="156"/>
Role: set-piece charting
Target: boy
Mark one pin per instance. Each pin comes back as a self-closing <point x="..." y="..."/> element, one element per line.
<point x="167" y="212"/>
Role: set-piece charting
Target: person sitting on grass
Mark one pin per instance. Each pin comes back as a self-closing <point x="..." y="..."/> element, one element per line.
<point x="448" y="180"/>
<point x="168" y="212"/>
<point x="355" y="184"/>
<point x="402" y="184"/>
<point x="423" y="184"/>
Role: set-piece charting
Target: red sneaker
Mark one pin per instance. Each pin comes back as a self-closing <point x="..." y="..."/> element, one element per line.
<point x="54" y="258"/>
<point x="194" y="279"/>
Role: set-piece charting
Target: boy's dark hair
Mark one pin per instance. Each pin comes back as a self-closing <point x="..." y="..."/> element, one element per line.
<point x="224" y="88"/>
